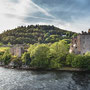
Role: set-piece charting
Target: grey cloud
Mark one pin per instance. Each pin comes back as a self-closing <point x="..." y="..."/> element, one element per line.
<point x="28" y="19"/>
<point x="66" y="9"/>
<point x="69" y="12"/>
<point x="13" y="16"/>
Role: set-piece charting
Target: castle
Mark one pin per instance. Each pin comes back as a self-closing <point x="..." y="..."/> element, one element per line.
<point x="18" y="50"/>
<point x="81" y="43"/>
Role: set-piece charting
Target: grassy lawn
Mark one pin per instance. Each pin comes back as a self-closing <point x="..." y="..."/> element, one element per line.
<point x="2" y="49"/>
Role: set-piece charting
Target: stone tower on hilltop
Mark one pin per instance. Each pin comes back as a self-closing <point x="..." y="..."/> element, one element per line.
<point x="81" y="43"/>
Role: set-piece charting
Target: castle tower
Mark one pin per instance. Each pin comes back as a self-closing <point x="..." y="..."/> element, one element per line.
<point x="81" y="43"/>
<point x="88" y="31"/>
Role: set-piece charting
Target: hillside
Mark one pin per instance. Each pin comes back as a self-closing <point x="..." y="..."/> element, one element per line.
<point x="34" y="34"/>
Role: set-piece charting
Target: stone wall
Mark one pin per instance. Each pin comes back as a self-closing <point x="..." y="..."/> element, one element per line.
<point x="17" y="51"/>
<point x="80" y="44"/>
<point x="85" y="44"/>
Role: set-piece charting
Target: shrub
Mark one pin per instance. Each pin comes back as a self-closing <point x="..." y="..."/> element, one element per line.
<point x="78" y="61"/>
<point x="87" y="54"/>
<point x="6" y="58"/>
<point x="81" y="62"/>
<point x="17" y="61"/>
<point x="0" y="58"/>
<point x="87" y="62"/>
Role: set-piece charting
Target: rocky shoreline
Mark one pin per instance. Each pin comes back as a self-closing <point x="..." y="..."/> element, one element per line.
<point x="70" y="69"/>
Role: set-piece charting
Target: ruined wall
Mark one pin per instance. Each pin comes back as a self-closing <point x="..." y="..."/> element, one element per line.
<point x="85" y="44"/>
<point x="17" y="51"/>
<point x="73" y="46"/>
<point x="80" y="44"/>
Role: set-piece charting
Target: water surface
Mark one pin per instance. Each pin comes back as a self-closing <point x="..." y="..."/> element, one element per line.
<point x="11" y="79"/>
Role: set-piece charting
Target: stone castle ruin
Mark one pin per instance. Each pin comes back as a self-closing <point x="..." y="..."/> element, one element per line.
<point x="81" y="43"/>
<point x="18" y="50"/>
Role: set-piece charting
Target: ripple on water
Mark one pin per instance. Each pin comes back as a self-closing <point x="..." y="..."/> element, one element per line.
<point x="41" y="80"/>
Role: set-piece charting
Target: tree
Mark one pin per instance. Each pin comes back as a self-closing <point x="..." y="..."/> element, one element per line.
<point x="32" y="47"/>
<point x="69" y="59"/>
<point x="87" y="62"/>
<point x="81" y="61"/>
<point x="78" y="61"/>
<point x="6" y="58"/>
<point x="87" y="53"/>
<point x="67" y="40"/>
<point x="26" y="58"/>
<point x="9" y="43"/>
<point x="34" y="34"/>
<point x="1" y="53"/>
<point x="58" y="53"/>
<point x="74" y="35"/>
<point x="1" y="44"/>
<point x="0" y="58"/>
<point x="39" y="56"/>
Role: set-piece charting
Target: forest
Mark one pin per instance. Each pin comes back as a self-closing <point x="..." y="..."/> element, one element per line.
<point x="35" y="34"/>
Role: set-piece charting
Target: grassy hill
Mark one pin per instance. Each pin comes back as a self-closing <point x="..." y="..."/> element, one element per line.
<point x="34" y="34"/>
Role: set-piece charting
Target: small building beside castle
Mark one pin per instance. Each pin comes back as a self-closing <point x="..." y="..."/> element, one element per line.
<point x="81" y="43"/>
<point x="17" y="50"/>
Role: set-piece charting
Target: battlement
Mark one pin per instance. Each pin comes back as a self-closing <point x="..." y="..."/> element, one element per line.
<point x="86" y="33"/>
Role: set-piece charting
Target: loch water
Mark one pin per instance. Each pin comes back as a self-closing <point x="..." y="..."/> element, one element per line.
<point x="11" y="79"/>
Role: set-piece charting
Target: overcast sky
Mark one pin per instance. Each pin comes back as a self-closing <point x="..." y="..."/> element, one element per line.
<point x="73" y="15"/>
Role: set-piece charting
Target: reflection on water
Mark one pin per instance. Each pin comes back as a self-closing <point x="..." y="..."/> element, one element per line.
<point x="82" y="80"/>
<point x="42" y="80"/>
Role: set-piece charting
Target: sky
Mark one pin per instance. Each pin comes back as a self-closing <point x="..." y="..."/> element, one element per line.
<point x="72" y="15"/>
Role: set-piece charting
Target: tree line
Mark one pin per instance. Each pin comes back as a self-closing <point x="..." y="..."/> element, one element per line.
<point x="51" y="55"/>
<point x="35" y="34"/>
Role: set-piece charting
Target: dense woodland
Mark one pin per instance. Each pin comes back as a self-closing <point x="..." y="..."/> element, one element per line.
<point x="35" y="34"/>
<point x="47" y="56"/>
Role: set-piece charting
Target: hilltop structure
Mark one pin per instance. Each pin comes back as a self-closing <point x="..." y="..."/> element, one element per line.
<point x="81" y="43"/>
